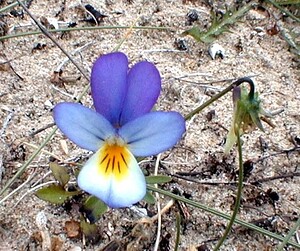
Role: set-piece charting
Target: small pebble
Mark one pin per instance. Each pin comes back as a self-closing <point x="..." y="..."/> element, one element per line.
<point x="41" y="220"/>
<point x="192" y="16"/>
<point x="216" y="50"/>
<point x="181" y="44"/>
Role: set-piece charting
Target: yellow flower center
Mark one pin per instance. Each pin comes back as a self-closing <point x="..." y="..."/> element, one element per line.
<point x="114" y="159"/>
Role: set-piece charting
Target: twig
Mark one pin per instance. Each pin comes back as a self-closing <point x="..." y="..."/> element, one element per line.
<point x="246" y="206"/>
<point x="155" y="217"/>
<point x="41" y="129"/>
<point x="18" y="75"/>
<point x="218" y="88"/>
<point x="62" y="92"/>
<point x="283" y="176"/>
<point x="127" y="35"/>
<point x="43" y="177"/>
<point x="22" y="34"/>
<point x="18" y="188"/>
<point x="95" y="20"/>
<point x="73" y="53"/>
<point x="190" y="122"/>
<point x="204" y="83"/>
<point x="34" y="189"/>
<point x="195" y="75"/>
<point x="6" y="122"/>
<point x="10" y="60"/>
<point x="210" y="182"/>
<point x="163" y="50"/>
<point x="47" y="34"/>
<point x="3" y="94"/>
<point x="49" y="137"/>
<point x="44" y="151"/>
<point x="287" y="151"/>
<point x="20" y="26"/>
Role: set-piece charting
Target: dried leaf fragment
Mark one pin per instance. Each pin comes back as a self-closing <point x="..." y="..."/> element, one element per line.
<point x="72" y="228"/>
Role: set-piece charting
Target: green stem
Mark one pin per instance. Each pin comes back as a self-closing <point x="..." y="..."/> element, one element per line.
<point x="8" y="7"/>
<point x="37" y="151"/>
<point x="22" y="34"/>
<point x="46" y="32"/>
<point x="220" y="94"/>
<point x="290" y="234"/>
<point x="252" y="89"/>
<point x="287" y="2"/>
<point x="239" y="192"/>
<point x="124" y="38"/>
<point x="222" y="215"/>
<point x="178" y="222"/>
<point x="284" y="10"/>
<point x="28" y="162"/>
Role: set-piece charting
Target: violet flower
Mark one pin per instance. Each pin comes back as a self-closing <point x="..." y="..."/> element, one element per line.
<point x="123" y="126"/>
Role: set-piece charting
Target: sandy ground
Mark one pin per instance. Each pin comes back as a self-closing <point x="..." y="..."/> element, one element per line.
<point x="189" y="79"/>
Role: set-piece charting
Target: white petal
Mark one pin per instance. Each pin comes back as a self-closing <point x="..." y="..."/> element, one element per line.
<point x="112" y="174"/>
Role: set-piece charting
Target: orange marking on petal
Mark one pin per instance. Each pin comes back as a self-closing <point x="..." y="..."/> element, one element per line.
<point x="114" y="160"/>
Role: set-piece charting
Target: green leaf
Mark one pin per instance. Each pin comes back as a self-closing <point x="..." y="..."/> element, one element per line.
<point x="60" y="173"/>
<point x="256" y="120"/>
<point x="286" y="2"/>
<point x="158" y="179"/>
<point x="219" y="25"/>
<point x="89" y="230"/>
<point x="55" y="194"/>
<point x="93" y="208"/>
<point x="230" y="139"/>
<point x="149" y="198"/>
<point x="194" y="32"/>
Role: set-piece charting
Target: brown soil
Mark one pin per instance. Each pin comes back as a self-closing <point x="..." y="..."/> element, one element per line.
<point x="28" y="93"/>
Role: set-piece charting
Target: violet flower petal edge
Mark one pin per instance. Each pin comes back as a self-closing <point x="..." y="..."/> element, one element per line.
<point x="83" y="126"/>
<point x="109" y="85"/>
<point x="153" y="133"/>
<point x="144" y="86"/>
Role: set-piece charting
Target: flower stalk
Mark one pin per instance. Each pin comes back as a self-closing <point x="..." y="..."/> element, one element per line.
<point x="239" y="192"/>
<point x="219" y="95"/>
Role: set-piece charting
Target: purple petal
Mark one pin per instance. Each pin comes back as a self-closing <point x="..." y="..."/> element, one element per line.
<point x="108" y="84"/>
<point x="153" y="133"/>
<point x="116" y="180"/>
<point x="144" y="84"/>
<point x="83" y="126"/>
